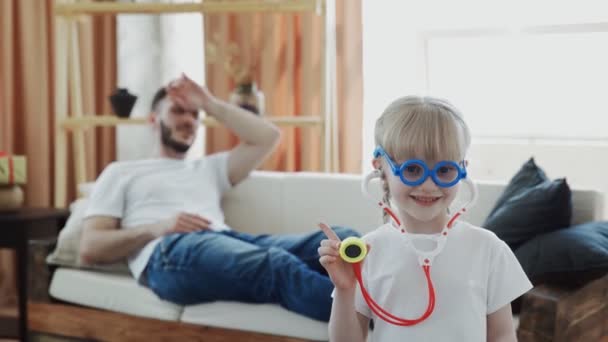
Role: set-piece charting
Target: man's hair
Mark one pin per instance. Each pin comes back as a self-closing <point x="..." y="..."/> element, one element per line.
<point x="160" y="94"/>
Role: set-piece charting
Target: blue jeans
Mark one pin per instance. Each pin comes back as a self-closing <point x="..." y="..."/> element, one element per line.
<point x="207" y="266"/>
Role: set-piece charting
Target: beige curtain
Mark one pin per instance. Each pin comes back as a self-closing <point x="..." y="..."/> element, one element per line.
<point x="26" y="100"/>
<point x="286" y="48"/>
<point x="350" y="84"/>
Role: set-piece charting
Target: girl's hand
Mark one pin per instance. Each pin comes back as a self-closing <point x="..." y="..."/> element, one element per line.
<point x="340" y="272"/>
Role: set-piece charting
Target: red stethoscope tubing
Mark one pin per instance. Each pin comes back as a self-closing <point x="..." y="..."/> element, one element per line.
<point x="385" y="315"/>
<point x="377" y="309"/>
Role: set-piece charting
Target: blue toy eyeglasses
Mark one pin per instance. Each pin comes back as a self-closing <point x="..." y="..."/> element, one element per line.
<point x="414" y="172"/>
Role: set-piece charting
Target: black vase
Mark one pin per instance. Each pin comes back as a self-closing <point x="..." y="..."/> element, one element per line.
<point x="122" y="102"/>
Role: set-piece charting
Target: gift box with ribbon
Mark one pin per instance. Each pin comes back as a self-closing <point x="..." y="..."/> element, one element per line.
<point x="13" y="169"/>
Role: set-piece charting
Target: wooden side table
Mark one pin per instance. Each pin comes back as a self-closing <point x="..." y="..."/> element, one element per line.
<point x="17" y="227"/>
<point x="551" y="314"/>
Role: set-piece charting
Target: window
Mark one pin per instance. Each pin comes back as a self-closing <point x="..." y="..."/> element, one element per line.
<point x="511" y="66"/>
<point x="550" y="84"/>
<point x="531" y="78"/>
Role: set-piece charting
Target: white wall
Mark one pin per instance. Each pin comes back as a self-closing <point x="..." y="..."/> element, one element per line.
<point x="139" y="57"/>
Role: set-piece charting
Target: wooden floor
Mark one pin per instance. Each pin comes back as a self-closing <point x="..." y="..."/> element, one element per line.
<point x="9" y="330"/>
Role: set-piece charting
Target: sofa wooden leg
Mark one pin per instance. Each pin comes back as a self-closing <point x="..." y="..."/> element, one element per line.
<point x="92" y="324"/>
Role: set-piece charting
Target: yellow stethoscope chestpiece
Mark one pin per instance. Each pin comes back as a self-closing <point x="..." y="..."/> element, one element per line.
<point x="353" y="249"/>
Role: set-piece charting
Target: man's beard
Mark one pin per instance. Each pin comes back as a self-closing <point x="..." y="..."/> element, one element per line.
<point x="168" y="141"/>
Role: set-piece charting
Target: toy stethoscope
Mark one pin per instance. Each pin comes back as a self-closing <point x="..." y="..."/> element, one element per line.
<point x="353" y="250"/>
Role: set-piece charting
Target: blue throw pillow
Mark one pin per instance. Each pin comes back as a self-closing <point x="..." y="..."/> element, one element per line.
<point x="567" y="257"/>
<point x="530" y="205"/>
<point x="529" y="175"/>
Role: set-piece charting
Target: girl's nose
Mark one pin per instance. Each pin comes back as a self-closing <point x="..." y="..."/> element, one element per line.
<point x="429" y="185"/>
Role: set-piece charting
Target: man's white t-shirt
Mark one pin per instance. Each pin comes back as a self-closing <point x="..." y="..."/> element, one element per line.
<point x="148" y="191"/>
<point x="475" y="275"/>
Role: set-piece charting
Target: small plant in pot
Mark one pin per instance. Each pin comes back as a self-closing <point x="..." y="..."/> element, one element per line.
<point x="241" y="69"/>
<point x="247" y="96"/>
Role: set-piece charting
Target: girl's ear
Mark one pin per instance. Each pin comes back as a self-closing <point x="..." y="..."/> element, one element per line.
<point x="152" y="118"/>
<point x="377" y="163"/>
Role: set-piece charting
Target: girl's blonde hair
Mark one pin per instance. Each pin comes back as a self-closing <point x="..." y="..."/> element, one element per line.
<point x="421" y="127"/>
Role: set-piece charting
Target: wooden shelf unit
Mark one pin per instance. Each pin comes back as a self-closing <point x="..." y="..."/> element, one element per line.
<point x="239" y="6"/>
<point x="72" y="119"/>
<point x="88" y="121"/>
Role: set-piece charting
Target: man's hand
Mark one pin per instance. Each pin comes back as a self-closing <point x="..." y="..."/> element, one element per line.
<point x="258" y="137"/>
<point x="189" y="95"/>
<point x="181" y="223"/>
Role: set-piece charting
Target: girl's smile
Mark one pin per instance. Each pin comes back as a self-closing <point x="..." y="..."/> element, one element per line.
<point x="425" y="200"/>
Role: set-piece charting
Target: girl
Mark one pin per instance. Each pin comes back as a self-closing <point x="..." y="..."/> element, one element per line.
<point x="427" y="276"/>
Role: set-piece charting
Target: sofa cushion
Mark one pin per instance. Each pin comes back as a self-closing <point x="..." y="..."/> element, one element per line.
<point x="570" y="257"/>
<point x="66" y="252"/>
<point x="120" y="293"/>
<point x="335" y="199"/>
<point x="261" y="318"/>
<point x="114" y="292"/>
<point x="528" y="176"/>
<point x="296" y="202"/>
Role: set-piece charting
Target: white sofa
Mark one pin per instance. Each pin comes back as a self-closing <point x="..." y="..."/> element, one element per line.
<point x="270" y="202"/>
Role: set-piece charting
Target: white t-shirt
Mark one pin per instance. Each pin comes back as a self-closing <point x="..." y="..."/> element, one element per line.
<point x="475" y="275"/>
<point x="147" y="191"/>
